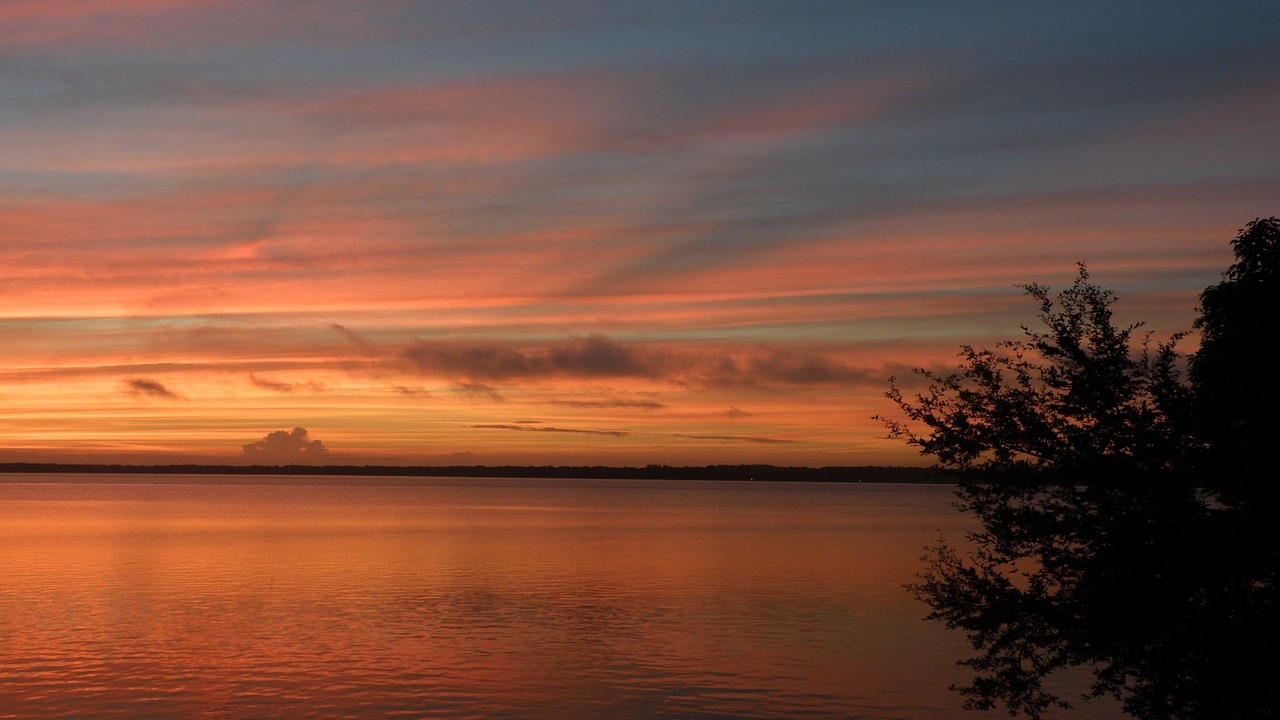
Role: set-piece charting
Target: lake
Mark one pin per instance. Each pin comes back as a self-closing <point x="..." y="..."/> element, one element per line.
<point x="234" y="597"/>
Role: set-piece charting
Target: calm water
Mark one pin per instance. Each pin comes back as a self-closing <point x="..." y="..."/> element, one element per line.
<point x="469" y="599"/>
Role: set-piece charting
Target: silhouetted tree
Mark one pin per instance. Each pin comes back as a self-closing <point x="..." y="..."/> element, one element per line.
<point x="1234" y="374"/>
<point x="1102" y="542"/>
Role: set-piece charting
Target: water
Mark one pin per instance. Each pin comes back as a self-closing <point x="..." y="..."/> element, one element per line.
<point x="464" y="598"/>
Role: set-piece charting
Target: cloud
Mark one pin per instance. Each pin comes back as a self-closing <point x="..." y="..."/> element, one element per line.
<point x="69" y="372"/>
<point x="788" y="367"/>
<point x="528" y="428"/>
<point x="355" y="338"/>
<point x="735" y="413"/>
<point x="591" y="356"/>
<point x="143" y="387"/>
<point x="283" y="447"/>
<point x="637" y="404"/>
<point x="753" y="439"/>
<point x="479" y="390"/>
<point x="284" y="387"/>
<point x="598" y="356"/>
<point x="738" y="438"/>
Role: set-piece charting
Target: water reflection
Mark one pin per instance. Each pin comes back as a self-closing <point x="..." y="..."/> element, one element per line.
<point x="470" y="598"/>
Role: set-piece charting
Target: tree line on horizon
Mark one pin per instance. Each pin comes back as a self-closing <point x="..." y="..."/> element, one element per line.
<point x="1129" y="523"/>
<point x="771" y="473"/>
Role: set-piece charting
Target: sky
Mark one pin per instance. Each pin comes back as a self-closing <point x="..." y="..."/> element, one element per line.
<point x="588" y="232"/>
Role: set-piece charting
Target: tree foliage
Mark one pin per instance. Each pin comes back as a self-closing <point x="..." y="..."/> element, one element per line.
<point x="1107" y="540"/>
<point x="1234" y="374"/>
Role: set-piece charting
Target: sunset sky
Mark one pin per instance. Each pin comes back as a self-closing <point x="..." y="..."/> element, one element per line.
<point x="585" y="232"/>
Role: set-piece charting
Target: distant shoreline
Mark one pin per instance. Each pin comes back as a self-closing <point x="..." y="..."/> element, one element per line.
<point x="769" y="473"/>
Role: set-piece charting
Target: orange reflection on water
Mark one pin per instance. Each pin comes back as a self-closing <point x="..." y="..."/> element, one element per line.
<point x="469" y="598"/>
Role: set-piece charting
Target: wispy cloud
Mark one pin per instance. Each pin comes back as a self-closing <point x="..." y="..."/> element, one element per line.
<point x="531" y="428"/>
<point x="734" y="225"/>
<point x="356" y="339"/>
<point x="478" y="390"/>
<point x="144" y="387"/>
<point x="600" y="357"/>
<point x="738" y="438"/>
<point x="285" y="387"/>
<point x="592" y="356"/>
<point x="788" y="366"/>
<point x="622" y="403"/>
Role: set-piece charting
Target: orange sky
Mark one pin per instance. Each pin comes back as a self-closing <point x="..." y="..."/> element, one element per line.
<point x="573" y="233"/>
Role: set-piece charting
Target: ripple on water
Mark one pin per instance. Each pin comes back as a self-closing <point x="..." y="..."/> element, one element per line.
<point x="502" y="599"/>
